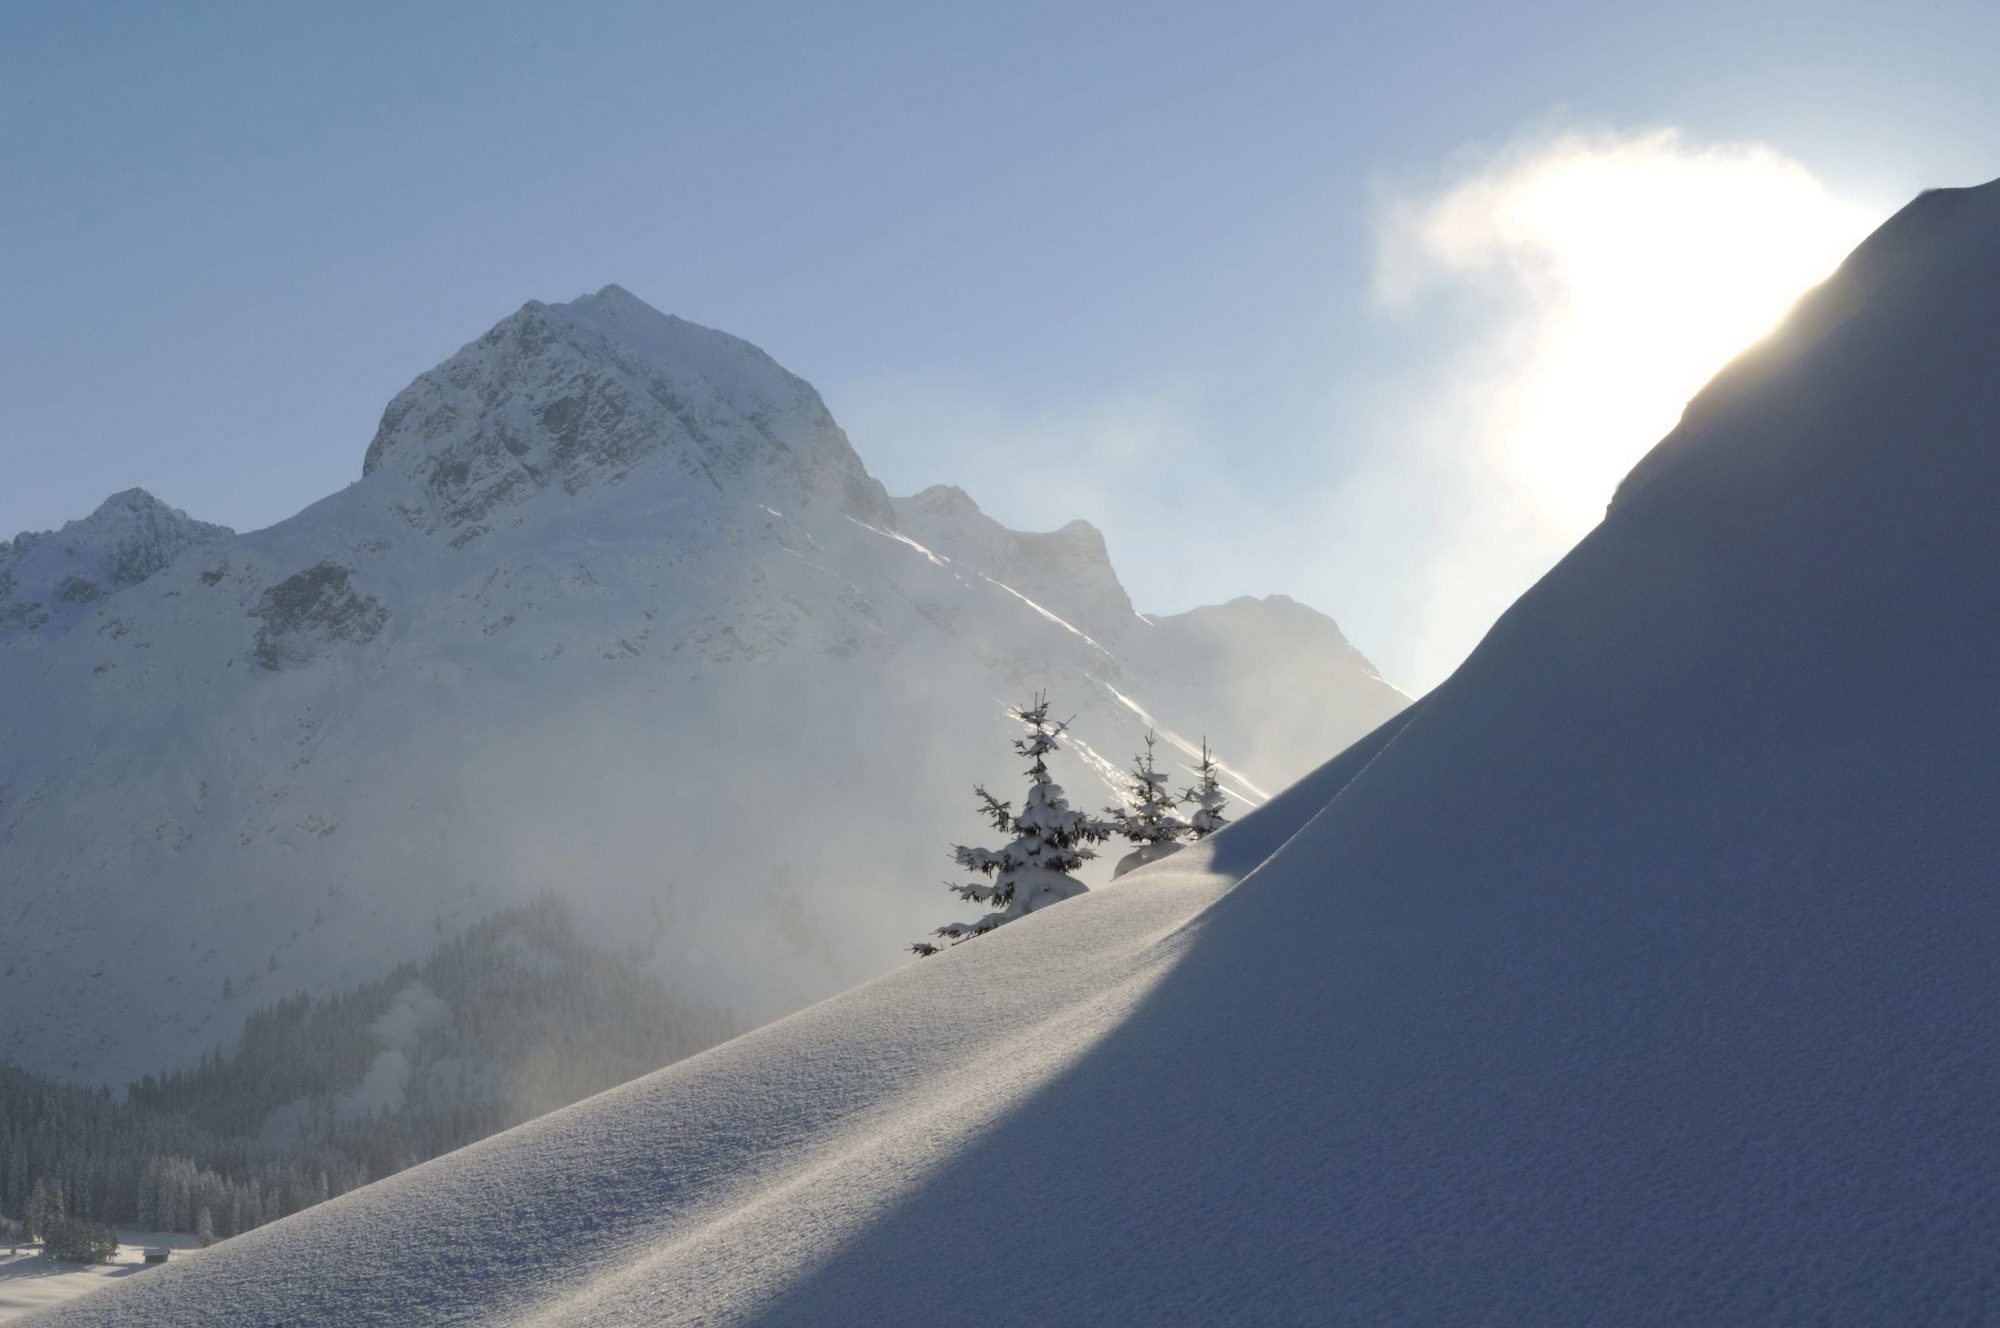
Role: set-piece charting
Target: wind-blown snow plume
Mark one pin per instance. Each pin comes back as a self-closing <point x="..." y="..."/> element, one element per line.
<point x="1586" y="284"/>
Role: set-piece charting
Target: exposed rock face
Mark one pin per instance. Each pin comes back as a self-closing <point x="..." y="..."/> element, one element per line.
<point x="316" y="605"/>
<point x="49" y="579"/>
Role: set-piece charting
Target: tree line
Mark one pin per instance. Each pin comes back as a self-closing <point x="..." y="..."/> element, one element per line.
<point x="1048" y="840"/>
<point x="522" y="1017"/>
<point x="516" y="1018"/>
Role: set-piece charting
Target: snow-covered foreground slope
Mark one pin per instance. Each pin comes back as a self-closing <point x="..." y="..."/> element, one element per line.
<point x="1646" y="972"/>
<point x="588" y="1214"/>
<point x="614" y="614"/>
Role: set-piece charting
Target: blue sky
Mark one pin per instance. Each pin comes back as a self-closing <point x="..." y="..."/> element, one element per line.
<point x="1164" y="250"/>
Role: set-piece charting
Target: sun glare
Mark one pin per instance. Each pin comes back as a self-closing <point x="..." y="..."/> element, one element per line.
<point x="1637" y="268"/>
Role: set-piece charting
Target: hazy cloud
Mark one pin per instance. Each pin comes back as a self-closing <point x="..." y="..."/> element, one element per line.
<point x="1545" y="307"/>
<point x="1142" y="462"/>
<point x="1582" y="286"/>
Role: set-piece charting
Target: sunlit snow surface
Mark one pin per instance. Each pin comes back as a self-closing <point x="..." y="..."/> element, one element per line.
<point x="30" y="1280"/>
<point x="1647" y="972"/>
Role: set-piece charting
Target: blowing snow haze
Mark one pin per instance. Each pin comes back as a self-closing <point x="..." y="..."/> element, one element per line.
<point x="537" y="815"/>
<point x="613" y="616"/>
<point x="1642" y="972"/>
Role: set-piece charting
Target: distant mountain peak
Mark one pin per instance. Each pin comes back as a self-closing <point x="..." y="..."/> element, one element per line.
<point x="950" y="501"/>
<point x="573" y="396"/>
<point x="941" y="498"/>
<point x="1067" y="570"/>
<point x="113" y="510"/>
<point x="49" y="578"/>
<point x="132" y="500"/>
<point x="613" y="296"/>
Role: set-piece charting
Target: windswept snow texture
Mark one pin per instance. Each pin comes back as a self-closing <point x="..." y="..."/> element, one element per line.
<point x="614" y="614"/>
<point x="1646" y="972"/>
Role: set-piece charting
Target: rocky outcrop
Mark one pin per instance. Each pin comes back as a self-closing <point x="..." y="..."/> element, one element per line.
<point x="312" y="607"/>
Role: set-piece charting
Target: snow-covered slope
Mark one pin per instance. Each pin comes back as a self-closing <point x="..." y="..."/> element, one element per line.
<point x="1646" y="972"/>
<point x="588" y="395"/>
<point x="1273" y="684"/>
<point x="616" y="614"/>
<point x="49" y="579"/>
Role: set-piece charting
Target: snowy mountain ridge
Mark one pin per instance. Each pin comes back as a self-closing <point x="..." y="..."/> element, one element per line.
<point x="610" y="589"/>
<point x="1644" y="972"/>
<point x="1068" y="570"/>
<point x="49" y="579"/>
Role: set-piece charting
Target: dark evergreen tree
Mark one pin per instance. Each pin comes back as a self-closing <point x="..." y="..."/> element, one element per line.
<point x="45" y="1209"/>
<point x="75" y="1240"/>
<point x="1146" y="816"/>
<point x="1207" y="796"/>
<point x="549" y="1018"/>
<point x="1037" y="866"/>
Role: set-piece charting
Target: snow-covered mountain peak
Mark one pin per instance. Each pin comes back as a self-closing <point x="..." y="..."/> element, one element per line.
<point x="1273" y="608"/>
<point x="50" y="578"/>
<point x="126" y="515"/>
<point x="134" y="499"/>
<point x="583" y="395"/>
<point x="1068" y="571"/>
<point x="940" y="501"/>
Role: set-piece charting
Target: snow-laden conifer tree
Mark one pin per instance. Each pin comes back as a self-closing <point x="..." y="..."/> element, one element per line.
<point x="1146" y="817"/>
<point x="1207" y="797"/>
<point x="1034" y="869"/>
<point x="46" y="1210"/>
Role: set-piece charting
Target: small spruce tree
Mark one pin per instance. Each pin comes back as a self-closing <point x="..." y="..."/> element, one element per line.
<point x="1207" y="797"/>
<point x="46" y="1209"/>
<point x="204" y="1227"/>
<point x="1036" y="867"/>
<point x="1146" y="817"/>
